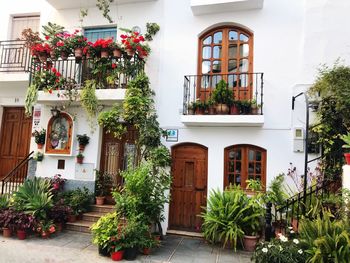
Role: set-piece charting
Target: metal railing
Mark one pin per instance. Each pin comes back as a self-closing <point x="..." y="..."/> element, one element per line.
<point x="77" y="71"/>
<point x="14" y="56"/>
<point x="296" y="207"/>
<point x="247" y="90"/>
<point x="16" y="177"/>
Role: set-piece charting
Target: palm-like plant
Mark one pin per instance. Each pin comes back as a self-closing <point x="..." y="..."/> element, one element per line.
<point x="228" y="214"/>
<point x="325" y="239"/>
<point x="34" y="197"/>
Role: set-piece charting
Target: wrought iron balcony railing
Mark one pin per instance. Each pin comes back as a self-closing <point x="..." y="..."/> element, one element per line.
<point x="14" y="56"/>
<point x="108" y="72"/>
<point x="246" y="90"/>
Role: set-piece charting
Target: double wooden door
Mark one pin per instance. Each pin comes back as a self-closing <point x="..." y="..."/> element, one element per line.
<point x="189" y="186"/>
<point x="14" y="138"/>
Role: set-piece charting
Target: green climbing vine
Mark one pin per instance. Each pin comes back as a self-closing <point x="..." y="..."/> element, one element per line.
<point x="89" y="100"/>
<point x="30" y="99"/>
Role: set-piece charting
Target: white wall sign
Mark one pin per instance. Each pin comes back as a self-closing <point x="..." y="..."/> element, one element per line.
<point x="36" y="117"/>
<point x="172" y="135"/>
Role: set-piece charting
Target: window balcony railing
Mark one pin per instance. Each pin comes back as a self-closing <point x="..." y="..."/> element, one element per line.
<point x="109" y="73"/>
<point x="14" y="56"/>
<point x="245" y="90"/>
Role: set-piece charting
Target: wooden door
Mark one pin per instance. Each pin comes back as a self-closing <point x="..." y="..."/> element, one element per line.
<point x="14" y="138"/>
<point x="189" y="186"/>
<point x="116" y="152"/>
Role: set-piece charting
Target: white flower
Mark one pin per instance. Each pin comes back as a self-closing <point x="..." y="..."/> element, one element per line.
<point x="296" y="241"/>
<point x="284" y="239"/>
<point x="292" y="231"/>
<point x="264" y="250"/>
<point x="281" y="248"/>
<point x="290" y="227"/>
<point x="300" y="251"/>
<point x="269" y="245"/>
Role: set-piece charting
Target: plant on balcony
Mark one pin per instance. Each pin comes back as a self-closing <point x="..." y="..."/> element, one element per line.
<point x="42" y="51"/>
<point x="103" y="47"/>
<point x="117" y="49"/>
<point x="143" y="50"/>
<point x="131" y="41"/>
<point x="52" y="33"/>
<point x="63" y="46"/>
<point x="105" y="72"/>
<point x="48" y="79"/>
<point x="246" y="106"/>
<point x="222" y="96"/>
<point x="30" y="38"/>
<point x="77" y="42"/>
<point x="152" y="29"/>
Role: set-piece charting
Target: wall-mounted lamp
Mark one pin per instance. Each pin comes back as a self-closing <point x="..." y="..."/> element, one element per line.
<point x="55" y="112"/>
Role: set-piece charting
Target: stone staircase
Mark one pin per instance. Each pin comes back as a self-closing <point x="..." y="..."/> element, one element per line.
<point x="89" y="218"/>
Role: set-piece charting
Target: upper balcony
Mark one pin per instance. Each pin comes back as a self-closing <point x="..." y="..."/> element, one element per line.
<point x="14" y="58"/>
<point x="67" y="4"/>
<point x="241" y="96"/>
<point x="202" y="7"/>
<point x="61" y="80"/>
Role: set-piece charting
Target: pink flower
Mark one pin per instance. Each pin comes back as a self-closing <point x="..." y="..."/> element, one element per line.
<point x="47" y="37"/>
<point x="114" y="65"/>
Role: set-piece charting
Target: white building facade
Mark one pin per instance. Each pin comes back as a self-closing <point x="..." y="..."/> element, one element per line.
<point x="266" y="50"/>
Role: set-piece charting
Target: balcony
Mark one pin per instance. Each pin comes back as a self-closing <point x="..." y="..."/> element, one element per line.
<point x="66" y="4"/>
<point x="202" y="7"/>
<point x="73" y="73"/>
<point x="14" y="56"/>
<point x="245" y="103"/>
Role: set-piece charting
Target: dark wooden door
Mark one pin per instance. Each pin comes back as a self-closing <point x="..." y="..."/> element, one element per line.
<point x="189" y="186"/>
<point x="14" y="138"/>
<point x="116" y="152"/>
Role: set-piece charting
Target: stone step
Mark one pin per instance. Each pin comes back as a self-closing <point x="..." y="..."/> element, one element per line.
<point x="103" y="208"/>
<point x="79" y="226"/>
<point x="92" y="216"/>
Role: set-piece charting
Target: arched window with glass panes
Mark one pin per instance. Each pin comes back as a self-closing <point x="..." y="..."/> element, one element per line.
<point x="226" y="53"/>
<point x="244" y="162"/>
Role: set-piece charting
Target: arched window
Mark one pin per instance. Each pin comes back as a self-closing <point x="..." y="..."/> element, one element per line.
<point x="59" y="135"/>
<point x="226" y="53"/>
<point x="243" y="162"/>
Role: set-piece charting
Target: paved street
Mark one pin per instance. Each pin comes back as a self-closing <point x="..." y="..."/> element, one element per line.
<point x="72" y="247"/>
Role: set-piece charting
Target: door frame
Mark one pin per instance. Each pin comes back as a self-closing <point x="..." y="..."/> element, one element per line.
<point x="173" y="148"/>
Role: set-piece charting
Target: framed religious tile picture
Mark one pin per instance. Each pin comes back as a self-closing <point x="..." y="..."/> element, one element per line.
<point x="59" y="135"/>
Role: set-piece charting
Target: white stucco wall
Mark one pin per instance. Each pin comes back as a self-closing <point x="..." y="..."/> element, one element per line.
<point x="291" y="39"/>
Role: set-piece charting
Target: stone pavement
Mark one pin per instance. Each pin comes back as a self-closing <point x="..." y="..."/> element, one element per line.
<point x="74" y="247"/>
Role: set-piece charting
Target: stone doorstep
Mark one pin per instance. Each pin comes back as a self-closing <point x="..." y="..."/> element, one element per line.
<point x="79" y="226"/>
<point x="103" y="208"/>
<point x="92" y="216"/>
<point x="184" y="233"/>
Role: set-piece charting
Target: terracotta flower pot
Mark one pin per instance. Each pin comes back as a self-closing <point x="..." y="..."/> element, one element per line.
<point x="45" y="234"/>
<point x="104" y="54"/>
<point x="59" y="227"/>
<point x="222" y="109"/>
<point x="6" y="232"/>
<point x="64" y="55"/>
<point x="40" y="146"/>
<point x="117" y="256"/>
<point x="347" y="157"/>
<point x="81" y="147"/>
<point x="249" y="242"/>
<point x="52" y="55"/>
<point x="100" y="200"/>
<point x="117" y="53"/>
<point x="72" y="218"/>
<point x="21" y="234"/>
<point x="80" y="160"/>
<point x="130" y="52"/>
<point x="78" y="52"/>
<point x="146" y="251"/>
<point x="234" y="110"/>
<point x="43" y="58"/>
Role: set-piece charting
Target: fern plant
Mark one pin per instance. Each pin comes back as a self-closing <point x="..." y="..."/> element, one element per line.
<point x="325" y="239"/>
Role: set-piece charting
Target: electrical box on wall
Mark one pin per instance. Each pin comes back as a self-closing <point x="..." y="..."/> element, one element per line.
<point x="298" y="139"/>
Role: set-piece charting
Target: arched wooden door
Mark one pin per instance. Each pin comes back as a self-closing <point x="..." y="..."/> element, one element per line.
<point x="189" y="186"/>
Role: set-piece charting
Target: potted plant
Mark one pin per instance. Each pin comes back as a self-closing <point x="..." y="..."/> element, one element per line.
<point x="63" y="47"/>
<point x="46" y="228"/>
<point x="211" y="106"/>
<point x="147" y="243"/>
<point x="132" y="231"/>
<point x="59" y="214"/>
<point x="255" y="107"/>
<point x="102" y="185"/>
<point x="23" y="223"/>
<point x="57" y="182"/>
<point x="77" y="42"/>
<point x="222" y="96"/>
<point x="116" y="49"/>
<point x="102" y="47"/>
<point x="131" y="42"/>
<point x="234" y="107"/>
<point x="117" y="253"/>
<point x="191" y="108"/>
<point x="246" y="106"/>
<point x="38" y="156"/>
<point x="143" y="50"/>
<point x="83" y="140"/>
<point x="346" y="145"/>
<point x="7" y="221"/>
<point x="42" y="51"/>
<point x="80" y="158"/>
<point x="39" y="137"/>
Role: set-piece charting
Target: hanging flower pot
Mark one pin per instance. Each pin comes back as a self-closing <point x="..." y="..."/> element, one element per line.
<point x="64" y="55"/>
<point x="43" y="57"/>
<point x="78" y="52"/>
<point x="80" y="160"/>
<point x="117" y="53"/>
<point x="347" y="158"/>
<point x="40" y="146"/>
<point x="21" y="234"/>
<point x="130" y="52"/>
<point x="104" y="54"/>
<point x="52" y="55"/>
<point x="6" y="232"/>
<point x="118" y="255"/>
